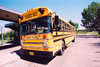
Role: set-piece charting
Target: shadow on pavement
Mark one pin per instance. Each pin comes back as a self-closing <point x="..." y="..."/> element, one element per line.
<point x="40" y="60"/>
<point x="8" y="45"/>
<point x="17" y="52"/>
<point x="96" y="45"/>
<point x="96" y="60"/>
<point x="98" y="52"/>
<point x="86" y="36"/>
<point x="10" y="42"/>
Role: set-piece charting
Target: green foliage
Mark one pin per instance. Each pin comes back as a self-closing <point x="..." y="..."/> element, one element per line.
<point x="74" y="24"/>
<point x="95" y="33"/>
<point x="7" y="36"/>
<point x="81" y="32"/>
<point x="89" y="20"/>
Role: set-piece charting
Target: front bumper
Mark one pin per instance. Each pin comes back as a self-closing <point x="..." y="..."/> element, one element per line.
<point x="37" y="53"/>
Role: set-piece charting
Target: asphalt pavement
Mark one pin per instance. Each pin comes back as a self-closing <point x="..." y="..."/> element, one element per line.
<point x="9" y="53"/>
<point x="84" y="52"/>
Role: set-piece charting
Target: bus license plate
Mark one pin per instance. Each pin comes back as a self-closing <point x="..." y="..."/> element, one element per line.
<point x="31" y="53"/>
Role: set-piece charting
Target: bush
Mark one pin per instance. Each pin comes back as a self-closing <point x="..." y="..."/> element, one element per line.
<point x="81" y="32"/>
<point x="7" y="36"/>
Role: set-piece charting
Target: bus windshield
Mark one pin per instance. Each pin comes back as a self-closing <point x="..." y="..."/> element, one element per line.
<point x="36" y="26"/>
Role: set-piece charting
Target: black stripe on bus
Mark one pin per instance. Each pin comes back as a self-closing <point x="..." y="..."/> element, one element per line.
<point x="61" y="39"/>
<point x="60" y="35"/>
<point x="63" y="31"/>
<point x="69" y="42"/>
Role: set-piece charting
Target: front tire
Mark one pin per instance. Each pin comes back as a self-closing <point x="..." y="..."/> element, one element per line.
<point x="62" y="48"/>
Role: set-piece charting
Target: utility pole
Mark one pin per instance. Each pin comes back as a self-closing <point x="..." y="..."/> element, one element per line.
<point x="2" y="35"/>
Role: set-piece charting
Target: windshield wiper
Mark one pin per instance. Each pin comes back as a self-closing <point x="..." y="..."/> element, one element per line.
<point x="37" y="33"/>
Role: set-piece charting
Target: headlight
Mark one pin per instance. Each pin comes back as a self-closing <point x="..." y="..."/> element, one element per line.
<point x="45" y="42"/>
<point x="21" y="42"/>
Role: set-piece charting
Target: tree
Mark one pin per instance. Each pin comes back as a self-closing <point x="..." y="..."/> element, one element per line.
<point x="8" y="36"/>
<point x="74" y="24"/>
<point x="89" y="20"/>
<point x="98" y="20"/>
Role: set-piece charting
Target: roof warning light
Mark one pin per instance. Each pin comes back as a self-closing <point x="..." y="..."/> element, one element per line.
<point x="41" y="10"/>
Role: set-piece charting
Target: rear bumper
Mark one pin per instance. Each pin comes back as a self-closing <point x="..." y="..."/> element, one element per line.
<point x="37" y="53"/>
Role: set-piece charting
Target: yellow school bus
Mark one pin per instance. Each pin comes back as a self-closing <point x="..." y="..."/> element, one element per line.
<point x="43" y="33"/>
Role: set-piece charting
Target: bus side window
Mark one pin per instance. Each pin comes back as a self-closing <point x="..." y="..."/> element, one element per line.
<point x="70" y="28"/>
<point x="65" y="26"/>
<point x="74" y="29"/>
<point x="60" y="23"/>
<point x="53" y="20"/>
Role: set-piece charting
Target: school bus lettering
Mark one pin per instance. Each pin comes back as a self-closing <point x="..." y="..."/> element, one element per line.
<point x="35" y="14"/>
<point x="28" y="16"/>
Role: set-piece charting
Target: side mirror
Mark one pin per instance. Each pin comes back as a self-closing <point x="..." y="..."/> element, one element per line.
<point x="56" y="20"/>
<point x="21" y="17"/>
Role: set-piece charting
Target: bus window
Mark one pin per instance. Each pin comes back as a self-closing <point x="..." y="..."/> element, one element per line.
<point x="67" y="27"/>
<point x="23" y="28"/>
<point x="70" y="28"/>
<point x="53" y="20"/>
<point x="63" y="25"/>
<point x="29" y="28"/>
<point x="39" y="25"/>
<point x="33" y="30"/>
<point x="60" y="23"/>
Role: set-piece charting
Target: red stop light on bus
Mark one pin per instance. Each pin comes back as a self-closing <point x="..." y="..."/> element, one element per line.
<point x="41" y="10"/>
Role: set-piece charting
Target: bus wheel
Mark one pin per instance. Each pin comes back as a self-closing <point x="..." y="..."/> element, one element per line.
<point x="62" y="48"/>
<point x="73" y="40"/>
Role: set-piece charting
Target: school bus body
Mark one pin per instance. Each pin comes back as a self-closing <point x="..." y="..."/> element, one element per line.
<point x="34" y="44"/>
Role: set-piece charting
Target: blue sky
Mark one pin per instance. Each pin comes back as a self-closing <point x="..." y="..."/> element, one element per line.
<point x="67" y="9"/>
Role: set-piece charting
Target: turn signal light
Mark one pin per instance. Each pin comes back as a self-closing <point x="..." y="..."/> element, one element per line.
<point x="44" y="36"/>
<point x="22" y="47"/>
<point x="41" y="10"/>
<point x="20" y="37"/>
<point x="50" y="13"/>
<point x="45" y="48"/>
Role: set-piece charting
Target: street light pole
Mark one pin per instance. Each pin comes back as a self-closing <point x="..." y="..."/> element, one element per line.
<point x="2" y="35"/>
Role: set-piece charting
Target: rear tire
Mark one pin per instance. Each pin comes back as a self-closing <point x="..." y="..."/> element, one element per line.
<point x="73" y="40"/>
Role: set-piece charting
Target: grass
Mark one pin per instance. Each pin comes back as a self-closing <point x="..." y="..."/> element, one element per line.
<point x="3" y="41"/>
<point x="81" y="32"/>
<point x="95" y="33"/>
